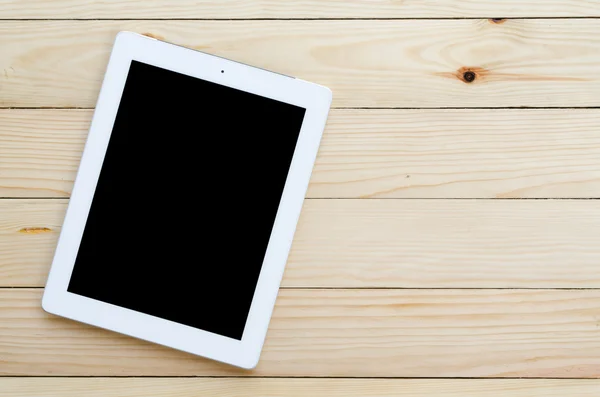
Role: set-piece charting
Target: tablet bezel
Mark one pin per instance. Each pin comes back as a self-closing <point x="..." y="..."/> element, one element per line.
<point x="314" y="98"/>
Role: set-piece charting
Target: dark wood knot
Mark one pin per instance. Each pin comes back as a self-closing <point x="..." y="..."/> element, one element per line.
<point x="469" y="76"/>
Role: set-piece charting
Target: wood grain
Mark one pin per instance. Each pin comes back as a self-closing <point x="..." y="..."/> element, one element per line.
<point x="368" y="63"/>
<point x="244" y="387"/>
<point x="382" y="243"/>
<point x="341" y="333"/>
<point x="387" y="153"/>
<point x="231" y="9"/>
<point x="373" y="54"/>
<point x="28" y="235"/>
<point x="459" y="154"/>
<point x="40" y="151"/>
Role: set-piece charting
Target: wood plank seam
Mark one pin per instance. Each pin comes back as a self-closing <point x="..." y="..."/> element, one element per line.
<point x="109" y="9"/>
<point x="523" y="108"/>
<point x="482" y="17"/>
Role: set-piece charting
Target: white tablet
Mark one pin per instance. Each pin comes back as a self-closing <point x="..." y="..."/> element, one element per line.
<point x="186" y="200"/>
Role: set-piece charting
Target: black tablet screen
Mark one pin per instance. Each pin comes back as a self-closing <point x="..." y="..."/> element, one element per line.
<point x="186" y="200"/>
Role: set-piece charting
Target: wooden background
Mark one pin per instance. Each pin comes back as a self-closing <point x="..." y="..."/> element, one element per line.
<point x="451" y="231"/>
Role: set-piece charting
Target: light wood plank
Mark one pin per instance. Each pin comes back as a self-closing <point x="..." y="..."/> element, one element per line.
<point x="245" y="387"/>
<point x="382" y="243"/>
<point x="408" y="63"/>
<point x="40" y="151"/>
<point x="366" y="153"/>
<point x="351" y="333"/>
<point x="231" y="9"/>
<point x="460" y="154"/>
<point x="28" y="235"/>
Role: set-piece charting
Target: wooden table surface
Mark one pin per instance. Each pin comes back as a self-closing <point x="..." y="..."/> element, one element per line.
<point x="450" y="240"/>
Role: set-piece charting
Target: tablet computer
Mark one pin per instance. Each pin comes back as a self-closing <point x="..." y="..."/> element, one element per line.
<point x="186" y="200"/>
